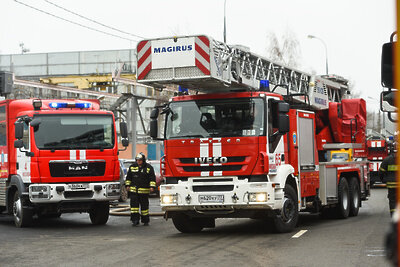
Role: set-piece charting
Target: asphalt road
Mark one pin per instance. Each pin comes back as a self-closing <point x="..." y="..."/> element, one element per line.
<point x="72" y="241"/>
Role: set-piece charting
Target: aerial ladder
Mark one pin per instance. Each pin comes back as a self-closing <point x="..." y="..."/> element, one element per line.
<point x="220" y="67"/>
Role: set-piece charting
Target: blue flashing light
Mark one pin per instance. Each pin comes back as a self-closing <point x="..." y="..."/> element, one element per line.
<point x="264" y="84"/>
<point x="69" y="105"/>
<point x="82" y="105"/>
<point x="182" y="89"/>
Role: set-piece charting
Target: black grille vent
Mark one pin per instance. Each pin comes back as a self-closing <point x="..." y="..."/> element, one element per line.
<point x="78" y="194"/>
<point x="71" y="169"/>
<point x="212" y="188"/>
<point x="212" y="168"/>
<point x="230" y="159"/>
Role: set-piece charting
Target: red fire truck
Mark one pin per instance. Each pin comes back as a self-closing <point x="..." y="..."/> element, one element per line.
<point x="57" y="156"/>
<point x="377" y="149"/>
<point x="253" y="140"/>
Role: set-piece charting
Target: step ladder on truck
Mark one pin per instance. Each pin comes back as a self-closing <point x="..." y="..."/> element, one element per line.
<point x="253" y="141"/>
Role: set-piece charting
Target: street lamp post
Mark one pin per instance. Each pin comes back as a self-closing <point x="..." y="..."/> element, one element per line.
<point x="326" y="50"/>
<point x="225" y="21"/>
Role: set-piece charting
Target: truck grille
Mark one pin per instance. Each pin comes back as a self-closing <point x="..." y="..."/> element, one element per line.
<point x="212" y="188"/>
<point x="78" y="194"/>
<point x="230" y="159"/>
<point x="77" y="169"/>
<point x="212" y="168"/>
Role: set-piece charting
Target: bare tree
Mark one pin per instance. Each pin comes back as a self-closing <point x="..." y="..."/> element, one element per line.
<point x="285" y="50"/>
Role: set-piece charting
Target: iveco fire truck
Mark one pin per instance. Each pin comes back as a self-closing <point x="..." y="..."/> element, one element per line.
<point x="57" y="156"/>
<point x="253" y="139"/>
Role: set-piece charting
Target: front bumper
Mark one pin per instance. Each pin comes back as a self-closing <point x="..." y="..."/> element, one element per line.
<point x="183" y="197"/>
<point x="54" y="193"/>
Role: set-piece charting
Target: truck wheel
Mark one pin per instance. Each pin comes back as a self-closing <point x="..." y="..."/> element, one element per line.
<point x="355" y="196"/>
<point x="23" y="217"/>
<point x="185" y="224"/>
<point x="286" y="220"/>
<point x="99" y="213"/>
<point x="343" y="207"/>
<point x="123" y="194"/>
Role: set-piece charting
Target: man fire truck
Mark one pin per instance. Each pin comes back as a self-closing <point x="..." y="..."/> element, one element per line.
<point x="254" y="142"/>
<point x="57" y="156"/>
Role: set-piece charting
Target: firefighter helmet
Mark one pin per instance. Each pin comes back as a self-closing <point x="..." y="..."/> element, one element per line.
<point x="140" y="156"/>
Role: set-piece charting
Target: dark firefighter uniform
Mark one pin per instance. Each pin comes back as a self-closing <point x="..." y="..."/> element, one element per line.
<point x="139" y="179"/>
<point x="387" y="173"/>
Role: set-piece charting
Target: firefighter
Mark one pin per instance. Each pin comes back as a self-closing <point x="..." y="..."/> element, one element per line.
<point x="387" y="173"/>
<point x="140" y="182"/>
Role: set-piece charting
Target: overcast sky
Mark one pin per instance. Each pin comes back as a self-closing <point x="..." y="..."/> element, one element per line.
<point x="354" y="30"/>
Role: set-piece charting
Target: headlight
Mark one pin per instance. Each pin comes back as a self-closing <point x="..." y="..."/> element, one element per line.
<point x="39" y="191"/>
<point x="39" y="188"/>
<point x="113" y="190"/>
<point x="113" y="186"/>
<point x="169" y="199"/>
<point x="258" y="197"/>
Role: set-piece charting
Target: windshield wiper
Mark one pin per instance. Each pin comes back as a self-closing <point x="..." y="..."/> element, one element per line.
<point x="189" y="136"/>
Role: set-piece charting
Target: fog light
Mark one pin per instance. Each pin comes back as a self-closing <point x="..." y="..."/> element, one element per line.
<point x="258" y="197"/>
<point x="169" y="199"/>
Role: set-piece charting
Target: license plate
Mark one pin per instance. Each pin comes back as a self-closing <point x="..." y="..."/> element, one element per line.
<point x="78" y="186"/>
<point x="211" y="198"/>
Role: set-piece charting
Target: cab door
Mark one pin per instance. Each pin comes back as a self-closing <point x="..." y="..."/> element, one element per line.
<point x="307" y="154"/>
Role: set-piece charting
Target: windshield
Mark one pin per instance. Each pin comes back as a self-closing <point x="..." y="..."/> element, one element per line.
<point x="74" y="132"/>
<point x="215" y="118"/>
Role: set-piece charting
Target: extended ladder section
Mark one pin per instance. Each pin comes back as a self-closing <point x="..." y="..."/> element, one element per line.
<point x="210" y="66"/>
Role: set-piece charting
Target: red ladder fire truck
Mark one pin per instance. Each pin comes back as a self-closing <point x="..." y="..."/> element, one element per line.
<point x="57" y="156"/>
<point x="253" y="141"/>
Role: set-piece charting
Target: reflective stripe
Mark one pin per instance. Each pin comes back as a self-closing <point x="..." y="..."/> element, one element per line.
<point x="135" y="169"/>
<point x="132" y="189"/>
<point x="144" y="212"/>
<point x="148" y="170"/>
<point x="143" y="190"/>
<point x="127" y="182"/>
<point x="153" y="184"/>
<point x="134" y="210"/>
<point x="382" y="169"/>
<point x="392" y="168"/>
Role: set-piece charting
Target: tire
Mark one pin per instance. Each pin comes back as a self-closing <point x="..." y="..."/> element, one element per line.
<point x="49" y="216"/>
<point x="286" y="220"/>
<point x="185" y="224"/>
<point x="355" y="196"/>
<point x="23" y="217"/>
<point x="123" y="194"/>
<point x="343" y="206"/>
<point x="99" y="213"/>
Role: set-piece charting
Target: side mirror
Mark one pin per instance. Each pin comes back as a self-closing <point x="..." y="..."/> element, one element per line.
<point x="388" y="103"/>
<point x="19" y="130"/>
<point x="36" y="122"/>
<point x="123" y="129"/>
<point x="283" y="107"/>
<point x="153" y="129"/>
<point x="283" y="123"/>
<point x="154" y="114"/>
<point x="387" y="65"/>
<point x="18" y="143"/>
<point x="125" y="142"/>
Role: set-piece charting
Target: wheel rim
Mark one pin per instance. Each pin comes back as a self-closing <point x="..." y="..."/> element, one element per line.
<point x="288" y="210"/>
<point x="17" y="207"/>
<point x="345" y="199"/>
<point x="355" y="198"/>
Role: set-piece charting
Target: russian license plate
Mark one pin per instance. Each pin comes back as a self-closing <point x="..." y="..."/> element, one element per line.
<point x="211" y="198"/>
<point x="78" y="186"/>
